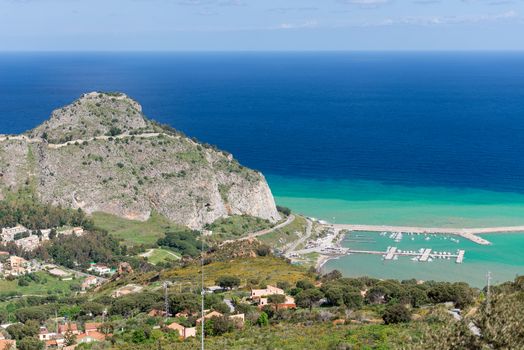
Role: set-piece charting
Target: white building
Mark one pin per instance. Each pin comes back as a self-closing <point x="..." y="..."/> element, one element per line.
<point x="8" y="233"/>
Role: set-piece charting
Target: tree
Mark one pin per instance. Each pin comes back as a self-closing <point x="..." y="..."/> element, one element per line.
<point x="263" y="320"/>
<point x="30" y="343"/>
<point x="228" y="282"/>
<point x="20" y="331"/>
<point x="396" y="313"/>
<point x="184" y="302"/>
<point x="184" y="241"/>
<point x="335" y="296"/>
<point x="333" y="275"/>
<point x="222" y="308"/>
<point x="352" y="299"/>
<point x="284" y="210"/>
<point x="69" y="337"/>
<point x="276" y="299"/>
<point x="285" y="285"/>
<point x="221" y="325"/>
<point x="305" y="284"/>
<point x="376" y="295"/>
<point x="308" y="298"/>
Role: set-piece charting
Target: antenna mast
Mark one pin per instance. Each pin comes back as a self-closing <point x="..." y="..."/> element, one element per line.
<point x="202" y="290"/>
<point x="166" y="300"/>
<point x="488" y="292"/>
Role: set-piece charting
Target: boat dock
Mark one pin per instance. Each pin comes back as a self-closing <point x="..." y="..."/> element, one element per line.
<point x="390" y="254"/>
<point x="424" y="255"/>
<point x="460" y="256"/>
<point x="467" y="233"/>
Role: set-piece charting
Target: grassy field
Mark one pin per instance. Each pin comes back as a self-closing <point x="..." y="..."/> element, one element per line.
<point x="154" y="256"/>
<point x="237" y="226"/>
<point x="51" y="285"/>
<point x="133" y="232"/>
<point x="268" y="270"/>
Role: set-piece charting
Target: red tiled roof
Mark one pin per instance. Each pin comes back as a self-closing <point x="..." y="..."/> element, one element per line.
<point x="95" y="335"/>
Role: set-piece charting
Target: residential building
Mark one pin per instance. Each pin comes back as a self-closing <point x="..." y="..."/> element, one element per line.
<point x="183" y="331"/>
<point x="209" y="315"/>
<point x="8" y="233"/>
<point x="289" y="303"/>
<point x="16" y="266"/>
<point x="28" y="243"/>
<point x="45" y="335"/>
<point x="90" y="337"/>
<point x="68" y="327"/>
<point x="99" y="269"/>
<point x="89" y="282"/>
<point x="6" y="344"/>
<point x="90" y="327"/>
<point x="156" y="313"/>
<point x="269" y="290"/>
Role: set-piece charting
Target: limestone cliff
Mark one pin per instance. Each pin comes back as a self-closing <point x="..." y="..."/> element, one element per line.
<point x="101" y="154"/>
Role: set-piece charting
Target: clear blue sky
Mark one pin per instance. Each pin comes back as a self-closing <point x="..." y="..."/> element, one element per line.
<point x="261" y="25"/>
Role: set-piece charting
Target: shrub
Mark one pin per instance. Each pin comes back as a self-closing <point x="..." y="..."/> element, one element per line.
<point x="396" y="313"/>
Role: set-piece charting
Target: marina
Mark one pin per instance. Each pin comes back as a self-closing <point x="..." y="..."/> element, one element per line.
<point x="467" y="233"/>
<point x="423" y="255"/>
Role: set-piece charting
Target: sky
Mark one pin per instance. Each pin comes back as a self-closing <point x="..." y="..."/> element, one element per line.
<point x="260" y="25"/>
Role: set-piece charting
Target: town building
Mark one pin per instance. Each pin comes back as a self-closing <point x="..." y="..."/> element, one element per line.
<point x="6" y="344"/>
<point x="45" y="335"/>
<point x="16" y="266"/>
<point x="29" y="243"/>
<point x="99" y="269"/>
<point x="90" y="327"/>
<point x="183" y="332"/>
<point x="89" y="282"/>
<point x="269" y="290"/>
<point x="68" y="327"/>
<point x="8" y="233"/>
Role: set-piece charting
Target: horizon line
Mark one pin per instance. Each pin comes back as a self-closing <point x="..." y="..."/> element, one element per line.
<point x="276" y="51"/>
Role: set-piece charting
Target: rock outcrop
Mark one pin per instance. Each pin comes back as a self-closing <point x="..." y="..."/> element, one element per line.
<point x="101" y="154"/>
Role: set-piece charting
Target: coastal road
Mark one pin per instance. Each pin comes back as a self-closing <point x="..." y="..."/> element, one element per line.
<point x="288" y="221"/>
<point x="301" y="240"/>
<point x="80" y="141"/>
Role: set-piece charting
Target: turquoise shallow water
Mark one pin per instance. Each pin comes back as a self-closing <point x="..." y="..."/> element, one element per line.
<point x="367" y="202"/>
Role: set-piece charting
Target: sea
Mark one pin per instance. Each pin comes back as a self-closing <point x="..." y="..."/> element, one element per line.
<point x="398" y="138"/>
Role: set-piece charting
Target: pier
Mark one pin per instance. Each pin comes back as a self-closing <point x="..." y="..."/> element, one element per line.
<point x="390" y="254"/>
<point x="467" y="233"/>
<point x="460" y="257"/>
<point x="423" y="256"/>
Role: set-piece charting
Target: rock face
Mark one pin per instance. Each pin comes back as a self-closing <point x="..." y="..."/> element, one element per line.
<point x="101" y="154"/>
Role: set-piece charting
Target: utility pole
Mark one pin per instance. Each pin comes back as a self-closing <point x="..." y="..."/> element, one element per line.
<point x="488" y="293"/>
<point x="202" y="290"/>
<point x="166" y="301"/>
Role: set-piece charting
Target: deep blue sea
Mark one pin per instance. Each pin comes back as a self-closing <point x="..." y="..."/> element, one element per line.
<point x="432" y="119"/>
<point x="391" y="138"/>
